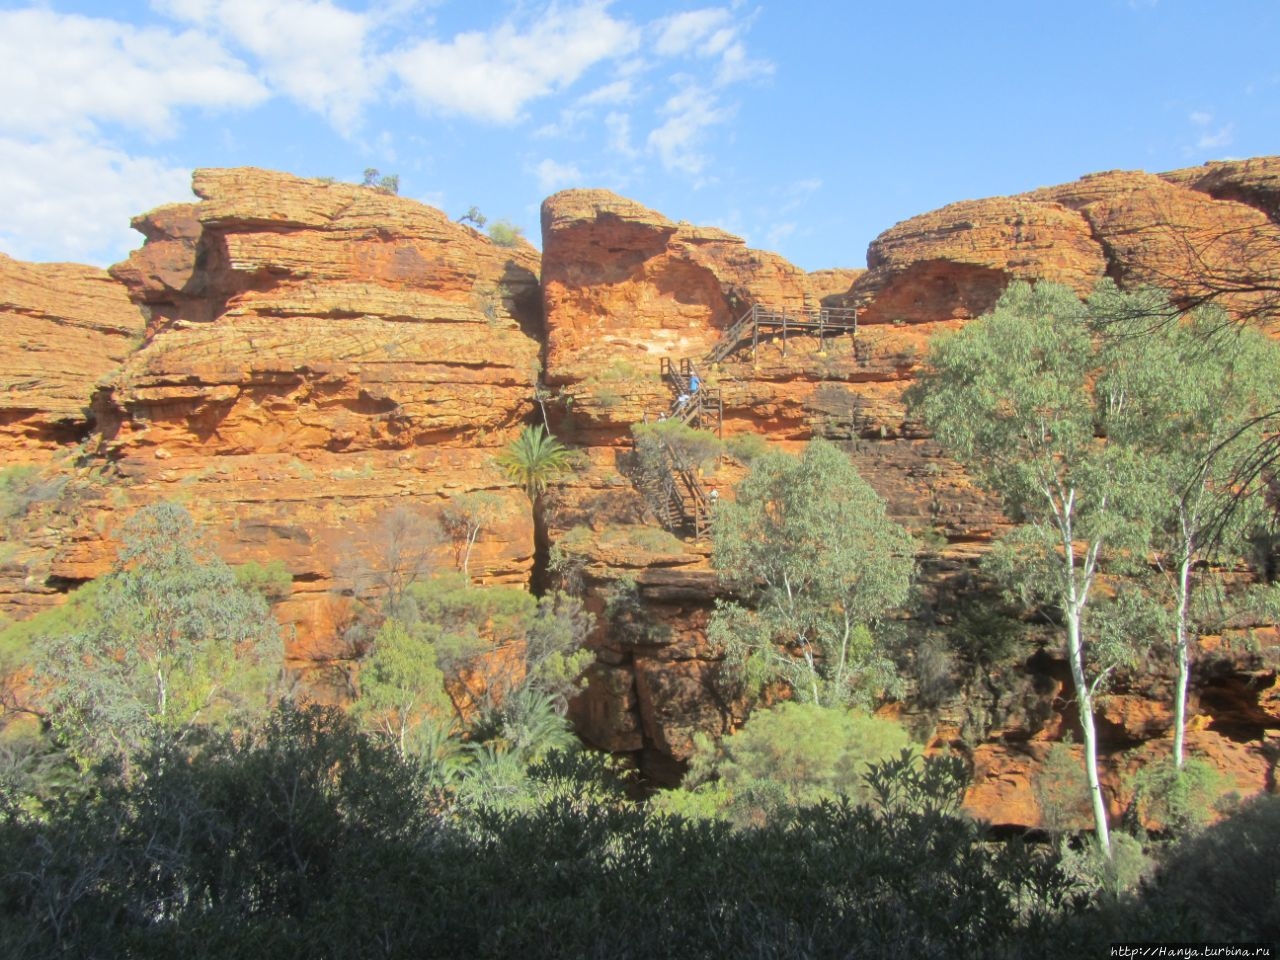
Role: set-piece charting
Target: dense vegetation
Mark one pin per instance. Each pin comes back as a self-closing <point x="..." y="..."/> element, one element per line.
<point x="1123" y="442"/>
<point x="162" y="792"/>
<point x="304" y="837"/>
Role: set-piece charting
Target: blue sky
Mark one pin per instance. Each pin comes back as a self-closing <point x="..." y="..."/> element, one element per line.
<point x="806" y="127"/>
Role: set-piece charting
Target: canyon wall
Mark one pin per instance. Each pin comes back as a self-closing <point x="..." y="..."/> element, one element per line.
<point x="318" y="357"/>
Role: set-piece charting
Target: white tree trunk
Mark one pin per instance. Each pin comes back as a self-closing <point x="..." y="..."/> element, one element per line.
<point x="1183" y="642"/>
<point x="1084" y="700"/>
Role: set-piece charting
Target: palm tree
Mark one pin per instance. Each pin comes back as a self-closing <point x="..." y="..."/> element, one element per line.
<point x="534" y="459"/>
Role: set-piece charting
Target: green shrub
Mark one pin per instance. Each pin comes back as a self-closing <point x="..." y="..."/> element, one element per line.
<point x="1097" y="876"/>
<point x="25" y="485"/>
<point x="1061" y="791"/>
<point x="746" y="447"/>
<point x="505" y="233"/>
<point x="390" y="183"/>
<point x="934" y="670"/>
<point x="174" y="645"/>
<point x="272" y="579"/>
<point x="1178" y="800"/>
<point x="17" y="639"/>
<point x="303" y="837"/>
<point x="697" y="449"/>
<point x="1228" y="876"/>
<point x="791" y="755"/>
<point x="619" y="371"/>
<point x="631" y="621"/>
<point x="648" y="539"/>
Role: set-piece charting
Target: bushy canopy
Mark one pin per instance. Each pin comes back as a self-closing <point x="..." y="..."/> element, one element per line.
<point x="815" y="561"/>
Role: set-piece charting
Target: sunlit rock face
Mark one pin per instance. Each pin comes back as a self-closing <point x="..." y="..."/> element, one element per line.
<point x="65" y="327"/>
<point x="295" y="360"/>
<point x="317" y="355"/>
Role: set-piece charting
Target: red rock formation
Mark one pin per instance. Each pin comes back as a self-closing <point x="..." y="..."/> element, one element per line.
<point x="1196" y="233"/>
<point x="1255" y="182"/>
<point x="1154" y="233"/>
<point x="953" y="263"/>
<point x="607" y="305"/>
<point x="66" y="326"/>
<point x="319" y="354"/>
<point x="624" y="286"/>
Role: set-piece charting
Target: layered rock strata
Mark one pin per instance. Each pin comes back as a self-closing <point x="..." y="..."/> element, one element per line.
<point x="66" y="326"/>
<point x="321" y="359"/>
<point x="1205" y="235"/>
<point x="610" y="307"/>
<point x="318" y="357"/>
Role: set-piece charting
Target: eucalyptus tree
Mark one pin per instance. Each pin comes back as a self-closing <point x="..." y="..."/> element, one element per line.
<point x="1012" y="395"/>
<point x="402" y="688"/>
<point x="814" y="561"/>
<point x="1197" y="399"/>
<point x="173" y="642"/>
<point x="464" y="518"/>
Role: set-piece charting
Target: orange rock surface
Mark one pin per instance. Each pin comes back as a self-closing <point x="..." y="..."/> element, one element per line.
<point x="1203" y="233"/>
<point x="1255" y="182"/>
<point x="66" y="326"/>
<point x="624" y="287"/>
<point x="953" y="263"/>
<point x="319" y="354"/>
<point x="613" y="309"/>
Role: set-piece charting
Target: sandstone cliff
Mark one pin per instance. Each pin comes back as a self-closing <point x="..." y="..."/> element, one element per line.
<point x="66" y="327"/>
<point x="613" y="311"/>
<point x="1208" y="233"/>
<point x="317" y="354"/>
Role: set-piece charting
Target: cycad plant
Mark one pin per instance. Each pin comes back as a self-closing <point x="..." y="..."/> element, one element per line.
<point x="534" y="459"/>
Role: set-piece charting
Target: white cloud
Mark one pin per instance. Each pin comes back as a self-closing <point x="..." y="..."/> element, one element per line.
<point x="710" y="33"/>
<point x="65" y="72"/>
<point x="312" y="51"/>
<point x="736" y="66"/>
<point x="678" y="140"/>
<point x="683" y="32"/>
<point x="1211" y="139"/>
<point x="779" y="232"/>
<point x="584" y="108"/>
<point x="492" y="76"/>
<point x="1222" y="137"/>
<point x="620" y="91"/>
<point x="553" y="176"/>
<point x="619" y="126"/>
<point x="795" y="194"/>
<point x="70" y="198"/>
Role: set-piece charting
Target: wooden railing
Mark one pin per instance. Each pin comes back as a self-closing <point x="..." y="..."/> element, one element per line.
<point x="761" y="320"/>
<point x="677" y="496"/>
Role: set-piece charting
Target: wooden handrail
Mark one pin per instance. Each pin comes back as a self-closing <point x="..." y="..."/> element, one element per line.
<point x="758" y="318"/>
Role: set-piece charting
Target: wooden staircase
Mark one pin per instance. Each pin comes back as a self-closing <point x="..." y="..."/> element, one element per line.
<point x="676" y="496"/>
<point x="767" y="322"/>
<point x="664" y="500"/>
<point x="698" y="408"/>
